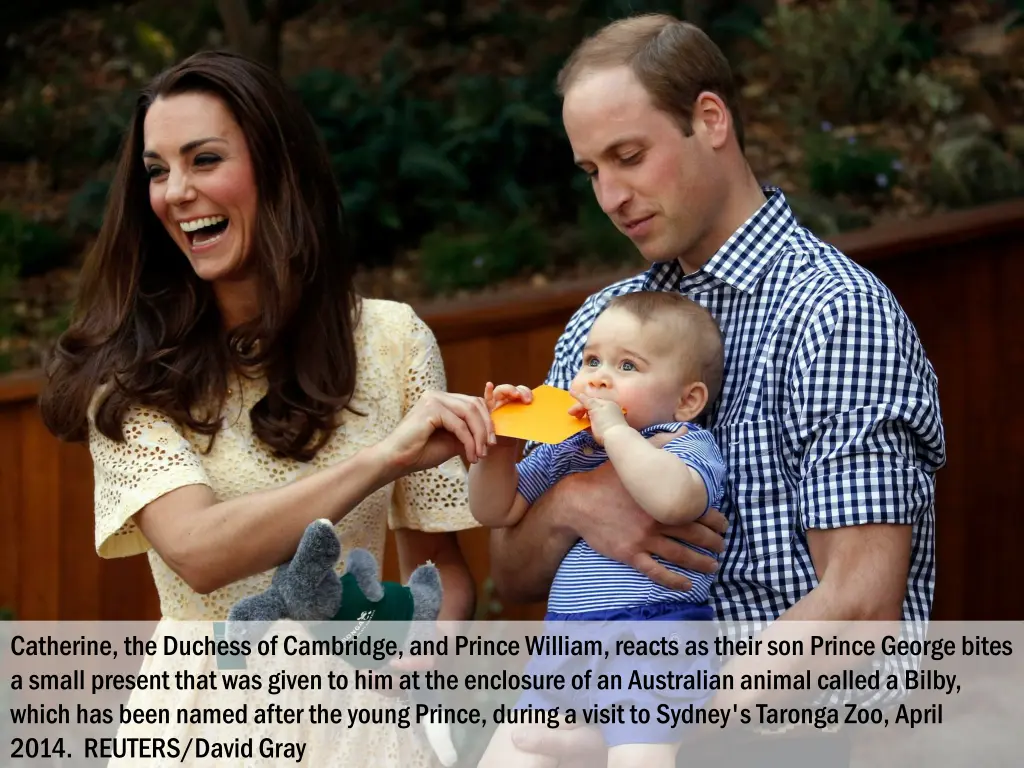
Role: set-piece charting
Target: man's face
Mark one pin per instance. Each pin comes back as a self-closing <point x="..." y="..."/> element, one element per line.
<point x="657" y="185"/>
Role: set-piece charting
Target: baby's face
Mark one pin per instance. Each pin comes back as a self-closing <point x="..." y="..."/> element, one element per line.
<point x="637" y="365"/>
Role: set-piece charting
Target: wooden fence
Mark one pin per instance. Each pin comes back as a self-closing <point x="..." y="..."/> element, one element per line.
<point x="960" y="278"/>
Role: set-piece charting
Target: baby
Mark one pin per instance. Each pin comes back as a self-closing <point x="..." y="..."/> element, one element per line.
<point x="652" y="363"/>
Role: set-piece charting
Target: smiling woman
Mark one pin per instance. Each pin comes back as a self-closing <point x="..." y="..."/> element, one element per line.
<point x="203" y="191"/>
<point x="233" y="388"/>
<point x="172" y="331"/>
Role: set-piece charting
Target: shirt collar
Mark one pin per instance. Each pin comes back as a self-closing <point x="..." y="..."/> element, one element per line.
<point x="744" y="258"/>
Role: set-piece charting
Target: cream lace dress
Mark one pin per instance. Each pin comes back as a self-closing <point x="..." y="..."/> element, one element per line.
<point x="398" y="360"/>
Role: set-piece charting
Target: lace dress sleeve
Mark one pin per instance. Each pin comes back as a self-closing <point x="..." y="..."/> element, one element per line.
<point x="154" y="458"/>
<point x="437" y="499"/>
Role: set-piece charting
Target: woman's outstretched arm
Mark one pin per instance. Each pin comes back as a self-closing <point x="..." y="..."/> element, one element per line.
<point x="211" y="543"/>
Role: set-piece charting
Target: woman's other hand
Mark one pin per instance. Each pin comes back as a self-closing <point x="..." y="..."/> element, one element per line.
<point x="441" y="425"/>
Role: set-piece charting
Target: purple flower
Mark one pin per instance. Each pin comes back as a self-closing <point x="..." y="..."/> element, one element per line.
<point x="882" y="180"/>
<point x="826" y="126"/>
<point x="897" y="165"/>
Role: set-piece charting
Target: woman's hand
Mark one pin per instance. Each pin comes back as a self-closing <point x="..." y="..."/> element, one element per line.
<point x="441" y="425"/>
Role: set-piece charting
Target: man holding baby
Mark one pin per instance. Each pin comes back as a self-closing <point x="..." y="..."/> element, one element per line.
<point x="828" y="415"/>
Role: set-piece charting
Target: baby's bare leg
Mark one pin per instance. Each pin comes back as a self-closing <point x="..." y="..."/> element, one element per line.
<point x="502" y="752"/>
<point x="643" y="756"/>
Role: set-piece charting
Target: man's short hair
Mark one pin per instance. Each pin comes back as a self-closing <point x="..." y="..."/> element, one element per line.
<point x="674" y="61"/>
<point x="702" y="338"/>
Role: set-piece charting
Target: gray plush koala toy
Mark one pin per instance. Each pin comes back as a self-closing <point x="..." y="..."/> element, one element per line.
<point x="308" y="588"/>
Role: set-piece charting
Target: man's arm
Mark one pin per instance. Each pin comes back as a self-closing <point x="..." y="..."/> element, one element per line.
<point x="862" y="572"/>
<point x="417" y="547"/>
<point x="525" y="556"/>
<point x="866" y="414"/>
<point x="866" y="411"/>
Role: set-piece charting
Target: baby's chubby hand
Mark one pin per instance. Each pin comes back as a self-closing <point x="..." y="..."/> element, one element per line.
<point x="603" y="414"/>
<point x="503" y="394"/>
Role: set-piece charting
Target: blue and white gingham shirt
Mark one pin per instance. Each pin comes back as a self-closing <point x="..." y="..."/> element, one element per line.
<point x="589" y="581"/>
<point x="829" y="414"/>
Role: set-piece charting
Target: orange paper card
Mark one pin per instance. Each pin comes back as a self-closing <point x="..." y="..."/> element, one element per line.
<point x="545" y="420"/>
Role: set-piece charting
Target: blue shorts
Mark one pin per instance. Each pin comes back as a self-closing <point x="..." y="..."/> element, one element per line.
<point x="623" y="634"/>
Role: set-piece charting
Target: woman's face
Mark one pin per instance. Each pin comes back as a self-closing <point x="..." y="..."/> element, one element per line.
<point x="201" y="183"/>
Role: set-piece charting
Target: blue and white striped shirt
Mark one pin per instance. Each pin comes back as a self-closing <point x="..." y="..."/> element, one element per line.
<point x="829" y="413"/>
<point x="589" y="581"/>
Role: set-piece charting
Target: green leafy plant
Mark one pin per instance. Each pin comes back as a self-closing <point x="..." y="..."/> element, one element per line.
<point x="28" y="247"/>
<point x="1016" y="20"/>
<point x="472" y="259"/>
<point x="472" y="160"/>
<point x="727" y="22"/>
<point x="383" y="144"/>
<point x="838" y="59"/>
<point x="594" y="237"/>
<point x="927" y="97"/>
<point x="8" y="319"/>
<point x="28" y="122"/>
<point x="851" y="166"/>
<point x="973" y="170"/>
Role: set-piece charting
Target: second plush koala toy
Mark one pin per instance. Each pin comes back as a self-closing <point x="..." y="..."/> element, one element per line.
<point x="308" y="588"/>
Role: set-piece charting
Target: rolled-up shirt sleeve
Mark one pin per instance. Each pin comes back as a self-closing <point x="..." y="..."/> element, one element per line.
<point x="866" y="410"/>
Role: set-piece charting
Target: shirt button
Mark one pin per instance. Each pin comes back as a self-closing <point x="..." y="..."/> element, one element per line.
<point x="588" y="451"/>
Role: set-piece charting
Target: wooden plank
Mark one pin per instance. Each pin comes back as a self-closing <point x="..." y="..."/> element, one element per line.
<point x="11" y="505"/>
<point x="539" y="350"/>
<point x="996" y="320"/>
<point x="20" y="386"/>
<point x="923" y="237"/>
<point x="80" y="596"/>
<point x="514" y="310"/>
<point x="981" y="447"/>
<point x="127" y="592"/>
<point x="39" y="588"/>
<point x="466" y="363"/>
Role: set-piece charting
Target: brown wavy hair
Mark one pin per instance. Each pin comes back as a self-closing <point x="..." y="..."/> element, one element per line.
<point x="149" y="330"/>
